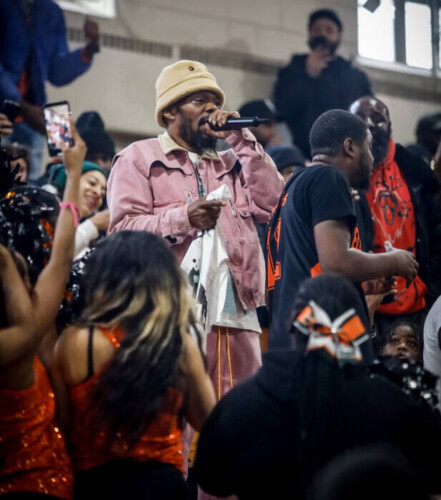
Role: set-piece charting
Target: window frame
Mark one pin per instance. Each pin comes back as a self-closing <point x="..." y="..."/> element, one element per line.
<point x="400" y="63"/>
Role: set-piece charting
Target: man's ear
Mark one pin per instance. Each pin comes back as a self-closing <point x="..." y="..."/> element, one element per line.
<point x="349" y="148"/>
<point x="170" y="113"/>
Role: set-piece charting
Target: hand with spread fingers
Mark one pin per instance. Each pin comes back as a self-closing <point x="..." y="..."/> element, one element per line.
<point x="380" y="286"/>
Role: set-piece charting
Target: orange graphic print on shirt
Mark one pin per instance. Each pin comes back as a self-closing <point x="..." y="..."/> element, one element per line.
<point x="356" y="243"/>
<point x="394" y="221"/>
<point x="274" y="272"/>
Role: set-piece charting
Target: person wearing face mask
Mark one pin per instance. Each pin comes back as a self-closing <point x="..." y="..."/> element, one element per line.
<point x="318" y="81"/>
<point x="93" y="185"/>
<point x="400" y="208"/>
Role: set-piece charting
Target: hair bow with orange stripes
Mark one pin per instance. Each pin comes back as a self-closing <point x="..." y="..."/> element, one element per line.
<point x="341" y="338"/>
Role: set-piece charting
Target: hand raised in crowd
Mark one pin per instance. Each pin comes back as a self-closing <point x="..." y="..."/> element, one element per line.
<point x="5" y="126"/>
<point x="375" y="291"/>
<point x="406" y="264"/>
<point x="380" y="286"/>
<point x="203" y="214"/>
<point x="33" y="116"/>
<point x="317" y="60"/>
<point x="92" y="35"/>
<point x="73" y="155"/>
<point x="220" y="117"/>
<point x="101" y="220"/>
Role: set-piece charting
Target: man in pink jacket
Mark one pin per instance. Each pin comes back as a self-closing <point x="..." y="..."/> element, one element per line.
<point x="159" y="185"/>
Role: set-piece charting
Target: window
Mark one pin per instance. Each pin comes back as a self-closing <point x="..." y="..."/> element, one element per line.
<point x="376" y="31"/>
<point x="100" y="8"/>
<point x="401" y="31"/>
<point x="418" y="34"/>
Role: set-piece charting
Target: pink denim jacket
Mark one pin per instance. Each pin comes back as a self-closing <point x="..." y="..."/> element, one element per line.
<point x="149" y="190"/>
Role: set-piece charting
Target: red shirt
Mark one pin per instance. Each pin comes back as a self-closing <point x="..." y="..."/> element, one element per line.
<point x="394" y="220"/>
<point x="161" y="441"/>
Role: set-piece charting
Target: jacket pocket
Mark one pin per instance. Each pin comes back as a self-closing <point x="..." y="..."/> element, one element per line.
<point x="245" y="222"/>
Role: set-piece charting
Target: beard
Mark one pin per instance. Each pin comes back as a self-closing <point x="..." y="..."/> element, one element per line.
<point x="380" y="146"/>
<point x="199" y="140"/>
<point x="363" y="180"/>
<point x="322" y="41"/>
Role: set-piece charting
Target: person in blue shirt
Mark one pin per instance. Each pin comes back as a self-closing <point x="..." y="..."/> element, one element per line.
<point x="33" y="50"/>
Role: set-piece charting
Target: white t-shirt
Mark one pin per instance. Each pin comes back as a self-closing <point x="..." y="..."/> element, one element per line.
<point x="233" y="315"/>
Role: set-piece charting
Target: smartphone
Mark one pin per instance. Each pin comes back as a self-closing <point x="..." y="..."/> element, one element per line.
<point x="58" y="130"/>
<point x="11" y="109"/>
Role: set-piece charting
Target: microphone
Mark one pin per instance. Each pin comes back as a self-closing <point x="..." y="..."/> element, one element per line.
<point x="238" y="123"/>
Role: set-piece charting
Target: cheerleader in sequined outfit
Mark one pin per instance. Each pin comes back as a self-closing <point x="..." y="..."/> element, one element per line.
<point x="130" y="371"/>
<point x="33" y="459"/>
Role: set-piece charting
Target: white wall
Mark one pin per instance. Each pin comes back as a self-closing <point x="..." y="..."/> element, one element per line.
<point x="120" y="84"/>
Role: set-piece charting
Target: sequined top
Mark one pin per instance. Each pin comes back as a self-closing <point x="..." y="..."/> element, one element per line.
<point x="160" y="442"/>
<point x="33" y="455"/>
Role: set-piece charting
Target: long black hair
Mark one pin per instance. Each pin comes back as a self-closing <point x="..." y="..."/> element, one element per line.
<point x="322" y="379"/>
<point x="133" y="281"/>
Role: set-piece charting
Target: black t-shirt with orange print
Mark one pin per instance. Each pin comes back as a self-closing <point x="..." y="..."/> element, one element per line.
<point x="312" y="195"/>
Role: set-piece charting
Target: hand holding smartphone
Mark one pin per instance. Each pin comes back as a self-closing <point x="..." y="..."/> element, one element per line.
<point x="58" y="127"/>
<point x="11" y="109"/>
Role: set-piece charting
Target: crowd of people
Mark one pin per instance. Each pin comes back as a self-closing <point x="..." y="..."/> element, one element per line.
<point x="139" y="288"/>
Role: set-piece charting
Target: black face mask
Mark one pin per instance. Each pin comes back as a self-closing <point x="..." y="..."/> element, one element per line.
<point x="323" y="42"/>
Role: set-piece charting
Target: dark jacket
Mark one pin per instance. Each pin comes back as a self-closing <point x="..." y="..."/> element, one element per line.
<point x="423" y="188"/>
<point x="269" y="435"/>
<point x="42" y="46"/>
<point x="300" y="99"/>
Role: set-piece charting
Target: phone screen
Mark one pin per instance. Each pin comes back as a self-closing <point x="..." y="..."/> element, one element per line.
<point x="58" y="129"/>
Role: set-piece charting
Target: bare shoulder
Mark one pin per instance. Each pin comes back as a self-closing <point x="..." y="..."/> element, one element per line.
<point x="73" y="352"/>
<point x="70" y="350"/>
<point x="72" y="340"/>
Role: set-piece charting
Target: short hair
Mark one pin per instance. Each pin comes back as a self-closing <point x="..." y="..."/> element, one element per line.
<point x="264" y="108"/>
<point x="333" y="293"/>
<point x="325" y="14"/>
<point x="332" y="128"/>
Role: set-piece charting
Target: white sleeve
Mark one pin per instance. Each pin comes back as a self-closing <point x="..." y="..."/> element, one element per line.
<point x="85" y="233"/>
<point x="432" y="350"/>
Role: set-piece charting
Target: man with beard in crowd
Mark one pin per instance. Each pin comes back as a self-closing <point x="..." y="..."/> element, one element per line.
<point x="318" y="81"/>
<point x="428" y="139"/>
<point x="160" y="185"/>
<point x="314" y="228"/>
<point x="399" y="208"/>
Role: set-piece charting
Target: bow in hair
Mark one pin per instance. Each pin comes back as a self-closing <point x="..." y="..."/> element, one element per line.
<point x="341" y="338"/>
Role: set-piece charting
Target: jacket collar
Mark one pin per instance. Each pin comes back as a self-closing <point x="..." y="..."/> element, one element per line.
<point x="176" y="157"/>
<point x="168" y="145"/>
